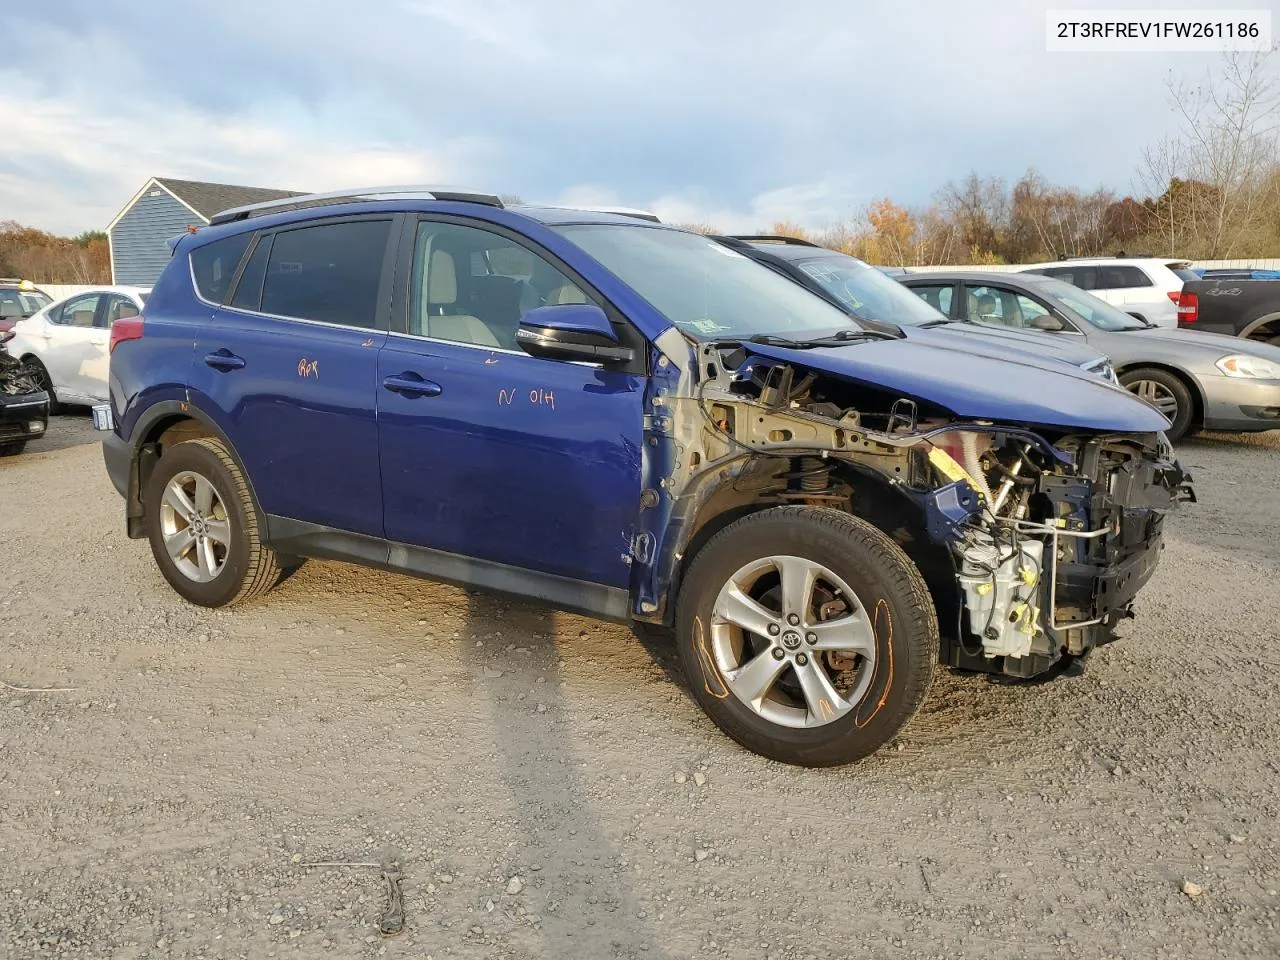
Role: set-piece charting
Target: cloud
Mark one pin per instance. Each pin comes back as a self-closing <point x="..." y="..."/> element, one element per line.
<point x="734" y="111"/>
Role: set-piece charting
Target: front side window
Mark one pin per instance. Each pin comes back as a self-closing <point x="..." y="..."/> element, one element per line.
<point x="119" y="307"/>
<point x="1097" y="312"/>
<point x="78" y="311"/>
<point x="329" y="273"/>
<point x="214" y="265"/>
<point x="473" y="286"/>
<point x="1001" y="306"/>
<point x="703" y="287"/>
<point x="867" y="292"/>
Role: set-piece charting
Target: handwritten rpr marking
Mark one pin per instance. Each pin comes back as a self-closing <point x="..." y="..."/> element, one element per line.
<point x="309" y="368"/>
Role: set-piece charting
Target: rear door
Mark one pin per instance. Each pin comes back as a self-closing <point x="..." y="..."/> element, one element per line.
<point x="488" y="452"/>
<point x="288" y="363"/>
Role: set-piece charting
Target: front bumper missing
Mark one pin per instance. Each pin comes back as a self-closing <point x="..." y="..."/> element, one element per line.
<point x="1100" y="545"/>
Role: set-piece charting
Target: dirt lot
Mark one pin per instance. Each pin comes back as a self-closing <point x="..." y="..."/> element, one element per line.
<point x="168" y="804"/>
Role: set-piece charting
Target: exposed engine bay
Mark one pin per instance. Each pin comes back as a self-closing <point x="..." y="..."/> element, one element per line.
<point x="1033" y="541"/>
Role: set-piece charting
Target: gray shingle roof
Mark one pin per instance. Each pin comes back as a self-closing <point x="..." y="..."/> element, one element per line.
<point x="208" y="199"/>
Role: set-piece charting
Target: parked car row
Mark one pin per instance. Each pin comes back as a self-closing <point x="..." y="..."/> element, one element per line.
<point x="630" y="420"/>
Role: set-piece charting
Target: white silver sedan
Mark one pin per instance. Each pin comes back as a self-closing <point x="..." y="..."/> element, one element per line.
<point x="67" y="342"/>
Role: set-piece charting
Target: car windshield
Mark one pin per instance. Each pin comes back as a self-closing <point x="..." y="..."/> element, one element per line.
<point x="706" y="289"/>
<point x="868" y="292"/>
<point x="1097" y="312"/>
<point x="28" y="302"/>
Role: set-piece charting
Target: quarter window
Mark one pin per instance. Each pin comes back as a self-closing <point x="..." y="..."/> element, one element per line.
<point x="473" y="286"/>
<point x="214" y="265"/>
<point x="329" y="273"/>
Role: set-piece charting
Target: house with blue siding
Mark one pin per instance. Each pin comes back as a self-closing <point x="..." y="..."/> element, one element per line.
<point x="163" y="209"/>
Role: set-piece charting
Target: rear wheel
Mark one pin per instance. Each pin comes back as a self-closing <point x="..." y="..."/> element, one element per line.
<point x="806" y="635"/>
<point x="204" y="529"/>
<point x="1167" y="393"/>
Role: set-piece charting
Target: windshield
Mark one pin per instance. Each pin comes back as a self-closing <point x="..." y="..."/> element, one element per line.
<point x="1099" y="313"/>
<point x="868" y="292"/>
<point x="703" y="287"/>
<point x="1183" y="272"/>
<point x="27" y="302"/>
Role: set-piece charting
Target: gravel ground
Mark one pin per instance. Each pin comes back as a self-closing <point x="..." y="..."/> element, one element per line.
<point x="169" y="803"/>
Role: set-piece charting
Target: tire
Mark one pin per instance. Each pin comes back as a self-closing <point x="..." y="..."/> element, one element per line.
<point x="46" y="384"/>
<point x="241" y="569"/>
<point x="1167" y="388"/>
<point x="13" y="448"/>
<point x="893" y="616"/>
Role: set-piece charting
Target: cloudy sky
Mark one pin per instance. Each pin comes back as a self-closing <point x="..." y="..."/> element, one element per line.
<point x="735" y="112"/>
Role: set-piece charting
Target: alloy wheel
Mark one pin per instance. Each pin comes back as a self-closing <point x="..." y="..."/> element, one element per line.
<point x="195" y="527"/>
<point x="1158" y="395"/>
<point x="793" y="642"/>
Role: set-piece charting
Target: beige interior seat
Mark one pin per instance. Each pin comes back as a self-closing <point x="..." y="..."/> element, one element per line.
<point x="440" y="320"/>
<point x="82" y="318"/>
<point x="567" y="293"/>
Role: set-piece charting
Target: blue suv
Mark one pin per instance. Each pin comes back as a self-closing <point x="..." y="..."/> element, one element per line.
<point x="636" y="422"/>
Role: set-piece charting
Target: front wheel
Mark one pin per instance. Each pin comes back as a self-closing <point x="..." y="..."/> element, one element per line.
<point x="204" y="530"/>
<point x="1167" y="393"/>
<point x="12" y="448"/>
<point x="807" y="635"/>
<point x="46" y="384"/>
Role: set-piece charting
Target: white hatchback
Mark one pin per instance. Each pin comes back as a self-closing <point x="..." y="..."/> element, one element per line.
<point x="1149" y="288"/>
<point x="67" y="342"/>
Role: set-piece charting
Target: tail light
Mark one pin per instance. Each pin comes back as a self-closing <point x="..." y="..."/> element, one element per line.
<point x="126" y="328"/>
<point x="1188" y="305"/>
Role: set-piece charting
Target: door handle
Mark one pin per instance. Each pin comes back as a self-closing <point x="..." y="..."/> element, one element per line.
<point x="409" y="384"/>
<point x="224" y="360"/>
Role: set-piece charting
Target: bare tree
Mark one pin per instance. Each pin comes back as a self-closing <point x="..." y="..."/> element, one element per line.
<point x="1210" y="180"/>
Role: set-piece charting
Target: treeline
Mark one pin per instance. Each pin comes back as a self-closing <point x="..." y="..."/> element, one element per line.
<point x="983" y="220"/>
<point x="30" y="254"/>
<point x="1209" y="192"/>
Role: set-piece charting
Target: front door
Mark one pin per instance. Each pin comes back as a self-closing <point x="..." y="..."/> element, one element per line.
<point x="288" y="366"/>
<point x="74" y="339"/>
<point x="487" y="452"/>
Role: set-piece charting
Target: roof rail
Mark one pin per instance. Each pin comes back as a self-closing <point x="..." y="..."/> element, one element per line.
<point x="350" y="195"/>
<point x="775" y="238"/>
<point x="623" y="212"/>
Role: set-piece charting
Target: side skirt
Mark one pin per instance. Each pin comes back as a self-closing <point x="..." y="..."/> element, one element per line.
<point x="302" y="539"/>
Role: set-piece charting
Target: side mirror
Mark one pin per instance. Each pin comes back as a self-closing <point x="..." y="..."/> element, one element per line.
<point x="571" y="331"/>
<point x="1048" y="322"/>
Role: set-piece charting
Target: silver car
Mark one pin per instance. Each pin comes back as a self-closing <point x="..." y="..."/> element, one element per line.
<point x="1197" y="380"/>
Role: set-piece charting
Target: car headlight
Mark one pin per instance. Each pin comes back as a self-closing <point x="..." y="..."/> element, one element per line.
<point x="1252" y="368"/>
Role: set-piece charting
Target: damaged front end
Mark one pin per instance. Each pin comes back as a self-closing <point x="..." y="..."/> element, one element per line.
<point x="24" y="406"/>
<point x="1034" y="542"/>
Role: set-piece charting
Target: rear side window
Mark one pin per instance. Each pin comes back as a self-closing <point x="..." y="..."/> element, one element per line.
<point x="936" y="296"/>
<point x="1086" y="278"/>
<point x="214" y="265"/>
<point x="328" y="273"/>
<point x="1122" y="278"/>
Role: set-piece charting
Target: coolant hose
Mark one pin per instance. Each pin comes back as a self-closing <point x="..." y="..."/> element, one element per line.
<point x="969" y="448"/>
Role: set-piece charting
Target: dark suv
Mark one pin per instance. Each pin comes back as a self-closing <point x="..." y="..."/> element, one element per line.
<point x="626" y="419"/>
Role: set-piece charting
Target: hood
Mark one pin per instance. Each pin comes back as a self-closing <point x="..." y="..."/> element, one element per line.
<point x="1014" y="344"/>
<point x="1218" y="344"/>
<point x="978" y="387"/>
